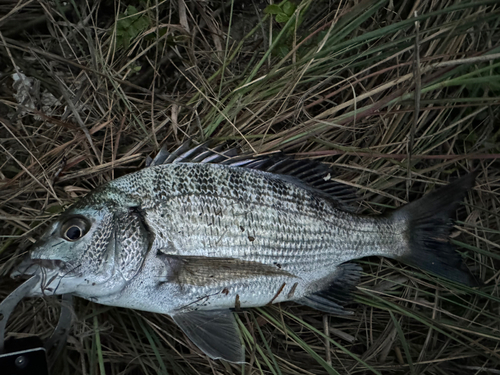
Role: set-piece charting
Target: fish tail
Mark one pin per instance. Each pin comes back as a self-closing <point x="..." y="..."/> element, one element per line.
<point x="429" y="226"/>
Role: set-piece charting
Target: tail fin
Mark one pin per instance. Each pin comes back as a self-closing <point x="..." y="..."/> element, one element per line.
<point x="429" y="226"/>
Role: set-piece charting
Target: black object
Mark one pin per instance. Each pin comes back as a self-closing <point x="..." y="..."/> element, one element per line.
<point x="24" y="356"/>
<point x="27" y="356"/>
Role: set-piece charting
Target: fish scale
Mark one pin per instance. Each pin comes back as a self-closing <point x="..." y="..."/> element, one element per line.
<point x="194" y="240"/>
<point x="308" y="234"/>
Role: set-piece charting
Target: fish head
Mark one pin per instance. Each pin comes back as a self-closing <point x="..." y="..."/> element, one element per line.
<point x="76" y="254"/>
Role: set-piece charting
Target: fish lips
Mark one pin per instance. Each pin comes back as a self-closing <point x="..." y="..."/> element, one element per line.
<point x="52" y="271"/>
<point x="30" y="267"/>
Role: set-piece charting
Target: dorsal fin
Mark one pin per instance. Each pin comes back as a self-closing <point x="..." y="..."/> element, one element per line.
<point x="310" y="174"/>
<point x="187" y="153"/>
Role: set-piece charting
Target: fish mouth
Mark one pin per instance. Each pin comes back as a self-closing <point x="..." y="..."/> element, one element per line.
<point x="51" y="273"/>
<point x="50" y="264"/>
<point x="30" y="267"/>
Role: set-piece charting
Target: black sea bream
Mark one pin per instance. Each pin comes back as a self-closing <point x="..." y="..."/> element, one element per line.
<point x="199" y="234"/>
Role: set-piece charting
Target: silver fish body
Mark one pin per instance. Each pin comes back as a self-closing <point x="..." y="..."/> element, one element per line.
<point x="193" y="240"/>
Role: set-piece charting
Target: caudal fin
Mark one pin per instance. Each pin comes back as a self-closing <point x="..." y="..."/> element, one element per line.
<point x="429" y="226"/>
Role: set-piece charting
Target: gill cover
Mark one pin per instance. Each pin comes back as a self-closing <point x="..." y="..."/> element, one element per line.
<point x="133" y="241"/>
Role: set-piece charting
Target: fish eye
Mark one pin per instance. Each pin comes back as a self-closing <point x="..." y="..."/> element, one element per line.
<point x="74" y="228"/>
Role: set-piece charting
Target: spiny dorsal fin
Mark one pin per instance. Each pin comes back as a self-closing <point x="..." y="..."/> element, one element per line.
<point x="187" y="153"/>
<point x="308" y="173"/>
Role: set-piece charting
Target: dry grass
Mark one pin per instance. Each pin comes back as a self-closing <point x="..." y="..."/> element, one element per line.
<point x="399" y="99"/>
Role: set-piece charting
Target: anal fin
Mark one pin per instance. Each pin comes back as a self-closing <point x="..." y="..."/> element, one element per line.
<point x="336" y="291"/>
<point x="215" y="332"/>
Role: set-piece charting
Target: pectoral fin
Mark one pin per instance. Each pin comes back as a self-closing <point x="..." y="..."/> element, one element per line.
<point x="215" y="332"/>
<point x="206" y="271"/>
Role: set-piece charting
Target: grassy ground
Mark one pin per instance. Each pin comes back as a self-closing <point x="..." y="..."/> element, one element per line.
<point x="398" y="96"/>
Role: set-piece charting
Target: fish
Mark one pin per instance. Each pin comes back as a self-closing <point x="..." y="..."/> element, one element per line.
<point x="201" y="232"/>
